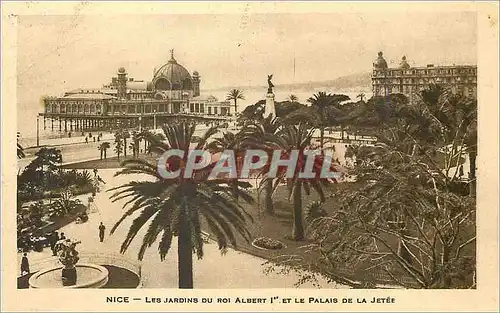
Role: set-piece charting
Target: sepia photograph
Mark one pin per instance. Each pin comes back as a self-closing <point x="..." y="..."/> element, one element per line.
<point x="253" y="149"/>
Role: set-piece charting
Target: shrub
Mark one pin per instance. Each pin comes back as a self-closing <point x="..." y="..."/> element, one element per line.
<point x="314" y="210"/>
<point x="268" y="243"/>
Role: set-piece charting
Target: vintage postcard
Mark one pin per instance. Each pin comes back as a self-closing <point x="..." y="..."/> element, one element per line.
<point x="233" y="156"/>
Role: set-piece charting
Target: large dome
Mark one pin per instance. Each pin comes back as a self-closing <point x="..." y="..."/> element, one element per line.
<point x="172" y="76"/>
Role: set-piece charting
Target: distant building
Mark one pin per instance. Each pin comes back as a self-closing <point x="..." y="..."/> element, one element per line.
<point x="172" y="93"/>
<point x="409" y="80"/>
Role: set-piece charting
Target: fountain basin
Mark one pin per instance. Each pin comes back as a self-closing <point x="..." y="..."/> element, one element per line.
<point x="88" y="276"/>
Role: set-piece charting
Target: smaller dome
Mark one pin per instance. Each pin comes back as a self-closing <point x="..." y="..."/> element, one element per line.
<point x="404" y="65"/>
<point x="195" y="73"/>
<point x="121" y="70"/>
<point x="380" y="62"/>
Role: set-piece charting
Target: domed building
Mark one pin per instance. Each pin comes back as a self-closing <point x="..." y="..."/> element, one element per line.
<point x="172" y="93"/>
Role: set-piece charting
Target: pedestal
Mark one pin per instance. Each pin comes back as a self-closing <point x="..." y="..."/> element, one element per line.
<point x="270" y="108"/>
<point x="69" y="276"/>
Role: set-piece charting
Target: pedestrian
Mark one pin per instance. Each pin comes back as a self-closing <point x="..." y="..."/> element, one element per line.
<point x="93" y="138"/>
<point x="63" y="237"/>
<point x="86" y="140"/>
<point x="461" y="171"/>
<point x="53" y="239"/>
<point x="95" y="171"/>
<point x="25" y="265"/>
<point x="102" y="228"/>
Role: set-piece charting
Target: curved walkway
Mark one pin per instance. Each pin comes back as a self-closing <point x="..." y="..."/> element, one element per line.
<point x="233" y="270"/>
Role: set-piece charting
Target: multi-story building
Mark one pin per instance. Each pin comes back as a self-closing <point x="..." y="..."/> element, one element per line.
<point x="409" y="80"/>
<point x="173" y="93"/>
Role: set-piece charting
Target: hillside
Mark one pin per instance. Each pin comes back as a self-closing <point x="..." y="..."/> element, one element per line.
<point x="354" y="81"/>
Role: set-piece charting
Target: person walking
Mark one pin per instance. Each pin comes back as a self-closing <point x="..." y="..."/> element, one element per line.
<point x="53" y="239"/>
<point x="63" y="237"/>
<point x="86" y="140"/>
<point x="25" y="264"/>
<point x="102" y="228"/>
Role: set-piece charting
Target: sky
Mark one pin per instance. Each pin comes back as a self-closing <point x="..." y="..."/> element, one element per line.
<point x="59" y="53"/>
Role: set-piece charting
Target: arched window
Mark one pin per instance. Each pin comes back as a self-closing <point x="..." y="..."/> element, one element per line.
<point x="80" y="108"/>
<point x="162" y="84"/>
<point x="92" y="108"/>
<point x="86" y="109"/>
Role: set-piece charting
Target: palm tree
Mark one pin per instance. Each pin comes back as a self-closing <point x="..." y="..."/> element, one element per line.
<point x="293" y="98"/>
<point x="234" y="95"/>
<point x="145" y="135"/>
<point x="177" y="206"/>
<point x="65" y="204"/>
<point x="118" y="145"/>
<point x="361" y="96"/>
<point x="124" y="134"/>
<point x="20" y="149"/>
<point x="46" y="158"/>
<point x="151" y="139"/>
<point x="287" y="139"/>
<point x="322" y="113"/>
<point x="253" y="136"/>
<point x="134" y="145"/>
<point x="229" y="141"/>
<point x="103" y="147"/>
<point x="454" y="118"/>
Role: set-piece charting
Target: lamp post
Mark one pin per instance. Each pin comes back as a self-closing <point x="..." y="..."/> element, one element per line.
<point x="141" y="109"/>
<point x="37" y="131"/>
<point x="154" y="119"/>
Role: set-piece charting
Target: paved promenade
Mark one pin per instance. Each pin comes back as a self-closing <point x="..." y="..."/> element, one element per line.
<point x="233" y="270"/>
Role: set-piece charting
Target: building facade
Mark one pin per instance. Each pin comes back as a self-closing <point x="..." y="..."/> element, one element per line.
<point x="173" y="93"/>
<point x="409" y="80"/>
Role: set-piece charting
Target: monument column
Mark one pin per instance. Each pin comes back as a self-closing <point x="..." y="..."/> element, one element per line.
<point x="269" y="108"/>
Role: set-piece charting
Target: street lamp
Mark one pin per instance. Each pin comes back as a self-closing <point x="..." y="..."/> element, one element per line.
<point x="154" y="119"/>
<point x="141" y="110"/>
<point x="37" y="131"/>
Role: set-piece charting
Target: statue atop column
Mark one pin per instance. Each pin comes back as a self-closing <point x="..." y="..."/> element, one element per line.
<point x="270" y="84"/>
<point x="269" y="108"/>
